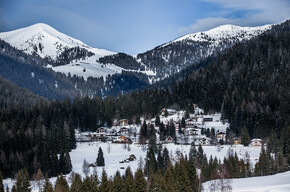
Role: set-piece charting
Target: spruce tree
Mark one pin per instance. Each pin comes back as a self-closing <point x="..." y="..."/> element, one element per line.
<point x="166" y="159"/>
<point x="61" y="184"/>
<point x="47" y="186"/>
<point x="22" y="182"/>
<point x="1" y="182"/>
<point x="140" y="181"/>
<point x="157" y="120"/>
<point x="183" y="124"/>
<point x="100" y="158"/>
<point x="104" y="186"/>
<point x="150" y="162"/>
<point x="77" y="184"/>
<point x="118" y="184"/>
<point x="129" y="180"/>
<point x="245" y="137"/>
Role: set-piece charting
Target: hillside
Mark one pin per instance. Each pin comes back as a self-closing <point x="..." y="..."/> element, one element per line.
<point x="12" y="95"/>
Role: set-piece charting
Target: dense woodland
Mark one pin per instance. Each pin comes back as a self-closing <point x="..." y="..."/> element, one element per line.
<point x="249" y="84"/>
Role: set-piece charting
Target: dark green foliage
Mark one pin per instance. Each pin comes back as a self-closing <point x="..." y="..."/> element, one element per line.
<point x="183" y="122"/>
<point x="140" y="181"/>
<point x="100" y="159"/>
<point x="77" y="184"/>
<point x="157" y="120"/>
<point x="1" y="182"/>
<point x="245" y="137"/>
<point x="22" y="182"/>
<point x="150" y="162"/>
<point x="118" y="184"/>
<point x="129" y="180"/>
<point x="61" y="184"/>
<point x="47" y="186"/>
<point x="104" y="186"/>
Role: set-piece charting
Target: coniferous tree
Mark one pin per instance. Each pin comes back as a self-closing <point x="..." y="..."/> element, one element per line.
<point x="183" y="124"/>
<point x="245" y="137"/>
<point x="61" y="184"/>
<point x="157" y="120"/>
<point x="77" y="184"/>
<point x="104" y="186"/>
<point x="150" y="162"/>
<point x="47" y="186"/>
<point x="22" y="182"/>
<point x="118" y="184"/>
<point x="129" y="180"/>
<point x="100" y="158"/>
<point x="140" y="181"/>
<point x="1" y="182"/>
<point x="166" y="159"/>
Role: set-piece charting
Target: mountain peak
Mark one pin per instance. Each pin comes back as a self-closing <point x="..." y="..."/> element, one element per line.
<point x="225" y="32"/>
<point x="42" y="39"/>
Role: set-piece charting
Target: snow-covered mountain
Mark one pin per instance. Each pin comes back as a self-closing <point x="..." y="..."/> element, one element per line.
<point x="68" y="55"/>
<point x="170" y="58"/>
<point x="224" y="32"/>
<point x="45" y="41"/>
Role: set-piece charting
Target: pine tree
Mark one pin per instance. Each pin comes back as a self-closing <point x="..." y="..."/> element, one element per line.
<point x="118" y="184"/>
<point x="183" y="124"/>
<point x="157" y="120"/>
<point x="1" y="182"/>
<point x="150" y="162"/>
<point x="100" y="158"/>
<point x="140" y="181"/>
<point x="104" y="186"/>
<point x="47" y="186"/>
<point x="166" y="159"/>
<point x="61" y="184"/>
<point x="245" y="137"/>
<point x="129" y="180"/>
<point x="192" y="152"/>
<point x="22" y="182"/>
<point x="39" y="178"/>
<point x="160" y="161"/>
<point x="77" y="184"/>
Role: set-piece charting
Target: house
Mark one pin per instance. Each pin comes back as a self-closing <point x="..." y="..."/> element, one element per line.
<point x="236" y="141"/>
<point x="124" y="122"/>
<point x="221" y="136"/>
<point x="170" y="111"/>
<point x="124" y="131"/>
<point x="101" y="132"/>
<point x="207" y="119"/>
<point x="205" y="141"/>
<point x="191" y="132"/>
<point x="169" y="140"/>
<point x="256" y="142"/>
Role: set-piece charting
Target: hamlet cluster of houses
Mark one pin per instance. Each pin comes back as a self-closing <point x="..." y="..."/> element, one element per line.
<point x="122" y="132"/>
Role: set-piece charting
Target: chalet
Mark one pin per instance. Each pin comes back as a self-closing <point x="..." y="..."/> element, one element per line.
<point x="124" y="131"/>
<point x="191" y="132"/>
<point x="256" y="142"/>
<point x="169" y="140"/>
<point x="221" y="136"/>
<point x="170" y="111"/>
<point x="207" y="119"/>
<point x="205" y="141"/>
<point x="124" y="122"/>
<point x="101" y="132"/>
<point x="236" y="141"/>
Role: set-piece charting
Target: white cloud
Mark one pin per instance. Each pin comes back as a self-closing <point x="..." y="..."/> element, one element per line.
<point x="257" y="12"/>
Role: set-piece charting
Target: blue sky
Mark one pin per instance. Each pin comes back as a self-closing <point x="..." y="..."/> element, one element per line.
<point x="135" y="26"/>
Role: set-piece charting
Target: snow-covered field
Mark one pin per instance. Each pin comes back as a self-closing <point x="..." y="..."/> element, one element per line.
<point x="113" y="153"/>
<point x="273" y="183"/>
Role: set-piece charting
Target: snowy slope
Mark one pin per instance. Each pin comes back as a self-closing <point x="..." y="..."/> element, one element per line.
<point x="45" y="41"/>
<point x="273" y="183"/>
<point x="224" y="32"/>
